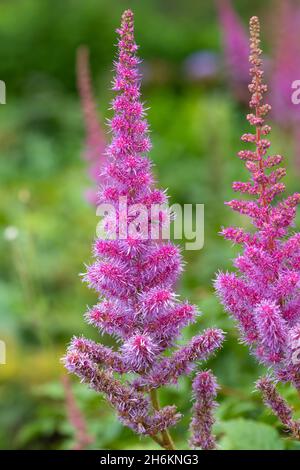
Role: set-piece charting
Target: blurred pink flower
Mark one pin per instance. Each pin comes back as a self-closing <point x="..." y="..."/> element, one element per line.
<point x="236" y="49"/>
<point x="95" y="138"/>
<point x="285" y="70"/>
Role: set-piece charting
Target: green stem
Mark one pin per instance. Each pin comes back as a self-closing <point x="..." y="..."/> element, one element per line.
<point x="157" y="440"/>
<point x="167" y="442"/>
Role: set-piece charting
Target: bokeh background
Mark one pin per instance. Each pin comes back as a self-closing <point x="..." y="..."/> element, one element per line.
<point x="47" y="226"/>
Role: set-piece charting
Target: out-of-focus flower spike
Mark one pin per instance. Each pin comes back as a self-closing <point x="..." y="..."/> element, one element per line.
<point x="82" y="439"/>
<point x="236" y="49"/>
<point x="95" y="140"/>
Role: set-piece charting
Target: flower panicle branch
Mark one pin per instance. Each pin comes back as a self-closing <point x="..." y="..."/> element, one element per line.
<point x="278" y="405"/>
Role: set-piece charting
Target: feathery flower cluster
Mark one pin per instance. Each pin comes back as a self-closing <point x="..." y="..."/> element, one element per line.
<point x="205" y="391"/>
<point x="95" y="139"/>
<point x="134" y="277"/>
<point x="264" y="296"/>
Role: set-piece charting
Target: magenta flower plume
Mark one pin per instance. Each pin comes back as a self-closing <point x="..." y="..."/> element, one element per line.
<point x="263" y="295"/>
<point x="134" y="274"/>
<point x="95" y="138"/>
<point x="236" y="49"/>
<point x="205" y="391"/>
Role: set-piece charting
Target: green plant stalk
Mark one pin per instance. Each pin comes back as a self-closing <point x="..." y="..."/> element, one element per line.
<point x="167" y="441"/>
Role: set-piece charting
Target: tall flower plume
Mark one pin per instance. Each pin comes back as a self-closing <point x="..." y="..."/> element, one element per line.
<point x="95" y="138"/>
<point x="286" y="63"/>
<point x="263" y="294"/>
<point x="134" y="275"/>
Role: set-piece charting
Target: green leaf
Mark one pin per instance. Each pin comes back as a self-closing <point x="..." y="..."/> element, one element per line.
<point x="243" y="434"/>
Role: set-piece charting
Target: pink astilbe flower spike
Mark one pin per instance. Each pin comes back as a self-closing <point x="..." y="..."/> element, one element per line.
<point x="205" y="391"/>
<point x="134" y="275"/>
<point x="236" y="49"/>
<point x="95" y="138"/>
<point x="263" y="295"/>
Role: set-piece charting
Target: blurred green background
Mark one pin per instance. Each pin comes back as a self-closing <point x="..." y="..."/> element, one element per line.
<point x="47" y="227"/>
